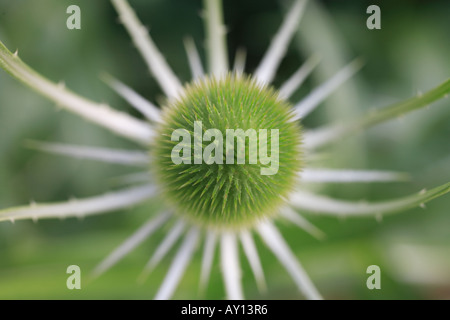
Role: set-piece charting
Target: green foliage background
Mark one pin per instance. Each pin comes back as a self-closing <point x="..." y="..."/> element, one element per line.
<point x="409" y="55"/>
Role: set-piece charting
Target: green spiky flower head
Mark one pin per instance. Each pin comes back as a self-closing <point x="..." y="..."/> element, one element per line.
<point x="227" y="152"/>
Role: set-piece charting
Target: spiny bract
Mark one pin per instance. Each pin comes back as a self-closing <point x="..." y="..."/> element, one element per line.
<point x="227" y="195"/>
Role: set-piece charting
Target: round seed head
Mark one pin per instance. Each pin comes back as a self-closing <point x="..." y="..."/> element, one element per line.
<point x="227" y="152"/>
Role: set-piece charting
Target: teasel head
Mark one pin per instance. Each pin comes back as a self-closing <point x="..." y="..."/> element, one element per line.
<point x="223" y="205"/>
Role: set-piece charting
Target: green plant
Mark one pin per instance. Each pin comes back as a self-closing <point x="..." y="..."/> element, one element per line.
<point x="143" y="132"/>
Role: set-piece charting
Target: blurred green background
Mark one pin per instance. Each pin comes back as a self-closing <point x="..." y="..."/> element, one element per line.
<point x="408" y="55"/>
